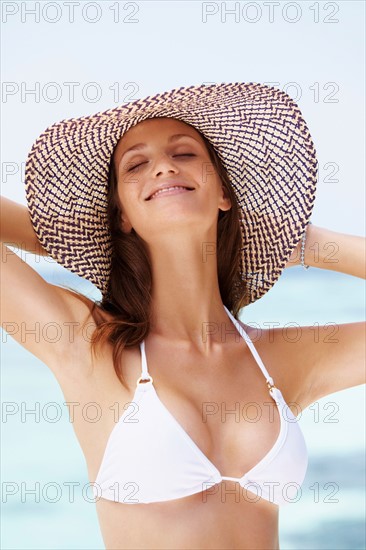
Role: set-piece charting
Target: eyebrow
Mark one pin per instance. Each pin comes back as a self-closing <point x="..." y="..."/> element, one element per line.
<point x="139" y="146"/>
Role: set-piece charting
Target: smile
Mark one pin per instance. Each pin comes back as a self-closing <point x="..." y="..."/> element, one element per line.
<point x="170" y="191"/>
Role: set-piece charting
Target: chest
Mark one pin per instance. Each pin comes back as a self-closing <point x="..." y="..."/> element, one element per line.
<point x="223" y="406"/>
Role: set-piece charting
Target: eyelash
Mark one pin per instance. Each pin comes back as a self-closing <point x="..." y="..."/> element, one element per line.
<point x="181" y="155"/>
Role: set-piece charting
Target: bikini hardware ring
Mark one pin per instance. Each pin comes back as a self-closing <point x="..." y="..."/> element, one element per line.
<point x="150" y="379"/>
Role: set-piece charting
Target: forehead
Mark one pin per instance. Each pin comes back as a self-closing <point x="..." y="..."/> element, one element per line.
<point x="153" y="129"/>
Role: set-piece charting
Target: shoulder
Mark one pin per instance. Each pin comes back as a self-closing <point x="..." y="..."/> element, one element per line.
<point x="283" y="352"/>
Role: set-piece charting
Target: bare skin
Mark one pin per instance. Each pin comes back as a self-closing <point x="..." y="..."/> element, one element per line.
<point x="237" y="520"/>
<point x="185" y="295"/>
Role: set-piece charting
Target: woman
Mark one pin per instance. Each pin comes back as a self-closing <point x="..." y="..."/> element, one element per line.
<point x="208" y="198"/>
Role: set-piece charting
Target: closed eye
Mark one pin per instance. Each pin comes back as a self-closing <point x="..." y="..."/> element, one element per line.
<point x="180" y="155"/>
<point x="136" y="166"/>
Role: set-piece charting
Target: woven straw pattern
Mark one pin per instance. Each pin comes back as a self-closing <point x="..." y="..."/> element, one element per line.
<point x="260" y="136"/>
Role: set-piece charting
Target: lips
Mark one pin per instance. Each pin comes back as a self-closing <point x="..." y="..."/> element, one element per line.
<point x="169" y="186"/>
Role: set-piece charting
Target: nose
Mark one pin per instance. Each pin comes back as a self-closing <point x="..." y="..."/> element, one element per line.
<point x="164" y="165"/>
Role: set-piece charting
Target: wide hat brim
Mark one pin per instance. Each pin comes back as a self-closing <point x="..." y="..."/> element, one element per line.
<point x="258" y="133"/>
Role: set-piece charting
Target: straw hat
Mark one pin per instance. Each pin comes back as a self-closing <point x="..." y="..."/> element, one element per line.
<point x="258" y="133"/>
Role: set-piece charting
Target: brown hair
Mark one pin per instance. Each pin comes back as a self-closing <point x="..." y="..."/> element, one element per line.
<point x="129" y="292"/>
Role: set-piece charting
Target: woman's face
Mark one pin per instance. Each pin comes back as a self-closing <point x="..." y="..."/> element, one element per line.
<point x="159" y="152"/>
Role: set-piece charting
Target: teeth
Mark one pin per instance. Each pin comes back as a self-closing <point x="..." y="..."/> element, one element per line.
<point x="167" y="189"/>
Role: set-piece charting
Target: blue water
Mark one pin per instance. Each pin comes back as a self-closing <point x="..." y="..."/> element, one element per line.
<point x="329" y="513"/>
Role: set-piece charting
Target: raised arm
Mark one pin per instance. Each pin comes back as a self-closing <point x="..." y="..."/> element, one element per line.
<point x="328" y="249"/>
<point x="320" y="360"/>
<point x="45" y="319"/>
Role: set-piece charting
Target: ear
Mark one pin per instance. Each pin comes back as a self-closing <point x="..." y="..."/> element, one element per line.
<point x="225" y="202"/>
<point x="125" y="224"/>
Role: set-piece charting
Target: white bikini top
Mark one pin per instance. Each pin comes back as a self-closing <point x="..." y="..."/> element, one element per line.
<point x="149" y="457"/>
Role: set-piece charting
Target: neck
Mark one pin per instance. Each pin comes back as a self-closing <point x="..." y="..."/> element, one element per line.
<point x="186" y="305"/>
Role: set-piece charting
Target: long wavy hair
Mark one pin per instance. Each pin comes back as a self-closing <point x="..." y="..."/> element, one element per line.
<point x="128" y="301"/>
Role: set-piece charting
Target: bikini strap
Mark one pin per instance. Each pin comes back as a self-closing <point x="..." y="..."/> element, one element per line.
<point x="254" y="352"/>
<point x="144" y="372"/>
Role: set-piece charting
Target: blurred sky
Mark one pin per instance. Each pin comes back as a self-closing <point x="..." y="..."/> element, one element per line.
<point x="134" y="49"/>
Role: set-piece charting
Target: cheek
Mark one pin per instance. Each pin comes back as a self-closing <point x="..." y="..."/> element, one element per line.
<point x="206" y="173"/>
<point x="129" y="186"/>
<point x="129" y="204"/>
<point x="211" y="179"/>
